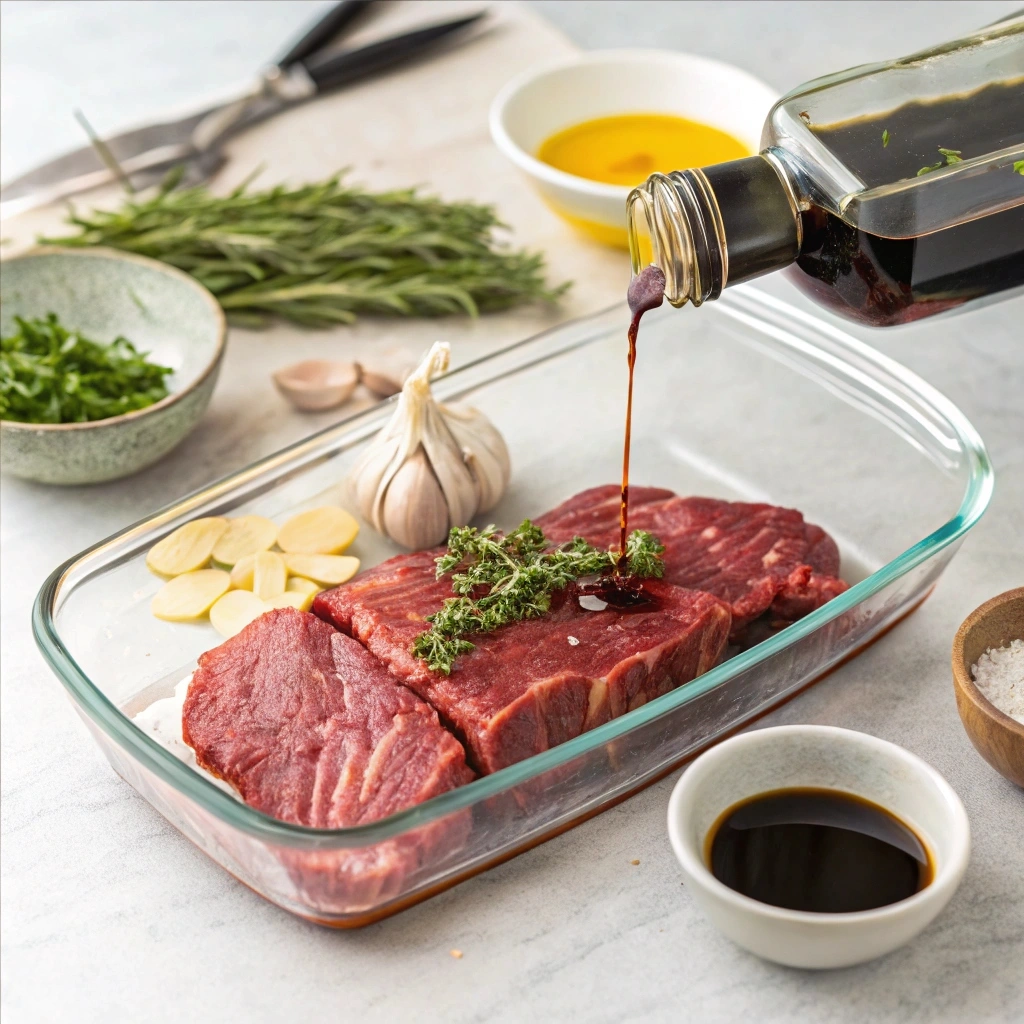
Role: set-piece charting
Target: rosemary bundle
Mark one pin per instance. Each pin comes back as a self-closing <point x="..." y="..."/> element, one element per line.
<point x="518" y="573"/>
<point x="324" y="253"/>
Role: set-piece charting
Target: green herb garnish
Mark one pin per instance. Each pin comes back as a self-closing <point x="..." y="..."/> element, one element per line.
<point x="515" y="576"/>
<point x="885" y="137"/>
<point x="49" y="374"/>
<point x="1018" y="166"/>
<point x="324" y="253"/>
<point x="949" y="157"/>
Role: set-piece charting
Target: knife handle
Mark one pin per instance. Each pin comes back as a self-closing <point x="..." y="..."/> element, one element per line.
<point x="340" y="16"/>
<point x="341" y="68"/>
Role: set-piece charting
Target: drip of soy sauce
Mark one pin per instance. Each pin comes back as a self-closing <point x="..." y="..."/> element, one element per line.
<point x="817" y="850"/>
<point x="646" y="292"/>
<point x="619" y="592"/>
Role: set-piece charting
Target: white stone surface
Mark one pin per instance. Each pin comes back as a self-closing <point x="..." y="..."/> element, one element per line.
<point x="110" y="915"/>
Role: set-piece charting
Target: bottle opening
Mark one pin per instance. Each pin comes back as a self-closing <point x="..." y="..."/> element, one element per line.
<point x="674" y="223"/>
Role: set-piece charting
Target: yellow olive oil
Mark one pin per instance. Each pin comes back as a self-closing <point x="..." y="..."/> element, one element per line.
<point x="627" y="148"/>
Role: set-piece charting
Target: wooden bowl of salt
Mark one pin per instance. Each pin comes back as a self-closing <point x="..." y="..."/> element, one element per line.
<point x="988" y="679"/>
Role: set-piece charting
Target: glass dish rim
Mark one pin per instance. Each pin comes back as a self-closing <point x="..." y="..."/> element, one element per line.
<point x="192" y="784"/>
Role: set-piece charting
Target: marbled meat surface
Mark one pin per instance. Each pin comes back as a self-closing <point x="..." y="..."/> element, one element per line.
<point x="310" y="728"/>
<point x="532" y="684"/>
<point x="759" y="559"/>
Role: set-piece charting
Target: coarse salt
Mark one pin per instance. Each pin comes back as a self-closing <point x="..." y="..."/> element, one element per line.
<point x="999" y="674"/>
<point x="573" y="642"/>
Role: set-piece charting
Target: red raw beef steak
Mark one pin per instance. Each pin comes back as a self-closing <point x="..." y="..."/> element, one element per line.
<point x="310" y="728"/>
<point x="533" y="684"/>
<point x="757" y="558"/>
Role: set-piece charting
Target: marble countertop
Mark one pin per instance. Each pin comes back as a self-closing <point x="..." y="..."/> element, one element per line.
<point x="108" y="914"/>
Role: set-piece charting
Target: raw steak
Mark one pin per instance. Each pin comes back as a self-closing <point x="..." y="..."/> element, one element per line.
<point x="757" y="558"/>
<point x="533" y="684"/>
<point x="311" y="729"/>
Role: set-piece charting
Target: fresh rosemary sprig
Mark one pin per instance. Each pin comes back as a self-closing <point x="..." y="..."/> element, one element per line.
<point x="49" y="374"/>
<point x="510" y="577"/>
<point x="324" y="253"/>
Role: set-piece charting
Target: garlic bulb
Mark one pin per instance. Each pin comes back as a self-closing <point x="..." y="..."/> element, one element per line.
<point x="433" y="466"/>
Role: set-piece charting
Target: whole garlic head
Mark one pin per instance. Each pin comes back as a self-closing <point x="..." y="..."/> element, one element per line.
<point x="432" y="466"/>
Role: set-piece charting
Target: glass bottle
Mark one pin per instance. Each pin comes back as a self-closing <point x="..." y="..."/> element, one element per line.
<point x="891" y="191"/>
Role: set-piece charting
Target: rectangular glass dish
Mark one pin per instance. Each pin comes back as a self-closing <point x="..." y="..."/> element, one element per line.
<point x="746" y="398"/>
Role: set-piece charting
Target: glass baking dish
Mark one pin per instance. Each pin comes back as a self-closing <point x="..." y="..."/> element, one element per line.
<point x="747" y="398"/>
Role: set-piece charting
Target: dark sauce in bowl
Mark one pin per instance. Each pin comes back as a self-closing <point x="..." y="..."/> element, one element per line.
<point x="818" y="850"/>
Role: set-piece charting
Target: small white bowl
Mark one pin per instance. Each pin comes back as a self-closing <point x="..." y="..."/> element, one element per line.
<point x="539" y="102"/>
<point x="825" y="757"/>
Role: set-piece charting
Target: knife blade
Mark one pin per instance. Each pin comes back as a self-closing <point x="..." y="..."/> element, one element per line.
<point x="145" y="154"/>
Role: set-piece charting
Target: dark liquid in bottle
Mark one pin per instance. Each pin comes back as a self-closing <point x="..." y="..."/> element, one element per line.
<point x="817" y="850"/>
<point x="882" y="281"/>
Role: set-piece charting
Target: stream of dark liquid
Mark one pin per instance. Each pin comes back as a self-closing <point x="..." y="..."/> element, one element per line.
<point x="634" y="326"/>
<point x="646" y="292"/>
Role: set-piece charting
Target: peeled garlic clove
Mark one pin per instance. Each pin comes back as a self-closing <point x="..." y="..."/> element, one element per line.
<point x="244" y="536"/>
<point x="415" y="510"/>
<point x="188" y="548"/>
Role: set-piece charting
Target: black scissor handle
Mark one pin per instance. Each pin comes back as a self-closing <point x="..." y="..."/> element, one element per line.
<point x="328" y="72"/>
<point x="340" y="16"/>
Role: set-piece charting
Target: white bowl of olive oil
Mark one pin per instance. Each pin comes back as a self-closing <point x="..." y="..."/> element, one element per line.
<point x="817" y="847"/>
<point x="586" y="130"/>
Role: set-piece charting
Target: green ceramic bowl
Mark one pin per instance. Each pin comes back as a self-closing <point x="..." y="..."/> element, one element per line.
<point x="103" y="294"/>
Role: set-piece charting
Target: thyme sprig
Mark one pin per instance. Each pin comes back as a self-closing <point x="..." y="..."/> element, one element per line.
<point x="506" y="578"/>
<point x="324" y="253"/>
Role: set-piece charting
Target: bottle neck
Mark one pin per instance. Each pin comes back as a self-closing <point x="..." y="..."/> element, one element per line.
<point x="715" y="226"/>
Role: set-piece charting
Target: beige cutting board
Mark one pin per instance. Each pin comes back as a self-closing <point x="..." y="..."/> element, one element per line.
<point x="425" y="124"/>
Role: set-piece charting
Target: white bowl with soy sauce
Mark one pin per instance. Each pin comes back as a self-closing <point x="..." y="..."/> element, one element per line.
<point x="817" y="847"/>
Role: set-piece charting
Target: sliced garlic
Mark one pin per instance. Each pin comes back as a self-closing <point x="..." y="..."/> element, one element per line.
<point x="189" y="595"/>
<point x="290" y="599"/>
<point x="234" y="611"/>
<point x="188" y="548"/>
<point x="244" y="536"/>
<point x="301" y="585"/>
<point x="432" y="466"/>
<point x="327" y="569"/>
<point x="269" y="575"/>
<point x="320" y="531"/>
<point x="242" y="571"/>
